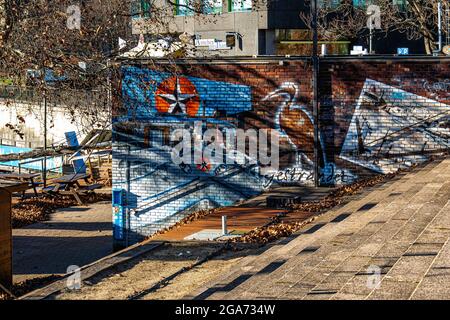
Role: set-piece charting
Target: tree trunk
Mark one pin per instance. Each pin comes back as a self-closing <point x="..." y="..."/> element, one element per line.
<point x="430" y="46"/>
<point x="2" y="20"/>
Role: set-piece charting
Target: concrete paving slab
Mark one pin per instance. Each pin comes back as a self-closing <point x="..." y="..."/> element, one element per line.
<point x="205" y="235"/>
<point x="392" y="227"/>
<point x="71" y="236"/>
<point x="393" y="290"/>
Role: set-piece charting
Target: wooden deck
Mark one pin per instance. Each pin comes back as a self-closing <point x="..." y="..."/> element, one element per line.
<point x="249" y="215"/>
<point x="239" y="220"/>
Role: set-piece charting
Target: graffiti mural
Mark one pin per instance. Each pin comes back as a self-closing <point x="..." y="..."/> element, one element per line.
<point x="393" y="129"/>
<point x="148" y="93"/>
<point x="156" y="191"/>
<point x="295" y="123"/>
<point x="366" y="127"/>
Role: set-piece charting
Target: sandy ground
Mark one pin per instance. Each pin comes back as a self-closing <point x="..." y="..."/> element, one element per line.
<point x="195" y="278"/>
<point x="138" y="275"/>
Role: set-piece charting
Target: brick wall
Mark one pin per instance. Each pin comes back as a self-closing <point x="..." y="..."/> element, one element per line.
<point x="376" y="116"/>
<point x="385" y="114"/>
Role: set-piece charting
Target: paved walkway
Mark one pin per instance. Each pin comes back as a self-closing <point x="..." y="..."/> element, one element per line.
<point x="72" y="236"/>
<point x="393" y="243"/>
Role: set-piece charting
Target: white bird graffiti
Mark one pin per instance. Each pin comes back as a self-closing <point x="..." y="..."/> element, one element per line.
<point x="293" y="120"/>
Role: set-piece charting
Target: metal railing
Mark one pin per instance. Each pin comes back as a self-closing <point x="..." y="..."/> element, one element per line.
<point x="58" y="97"/>
<point x="57" y="169"/>
<point x="18" y="93"/>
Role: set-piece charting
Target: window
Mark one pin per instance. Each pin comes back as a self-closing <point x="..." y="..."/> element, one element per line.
<point x="239" y="5"/>
<point x="140" y="9"/>
<point x="299" y="42"/>
<point x="145" y="8"/>
<point x="329" y="3"/>
<point x="361" y="3"/>
<point x="401" y="4"/>
<point x="189" y="7"/>
<point x="184" y="7"/>
<point x="212" y="6"/>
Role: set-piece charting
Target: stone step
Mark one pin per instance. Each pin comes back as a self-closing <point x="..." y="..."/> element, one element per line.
<point x="274" y="258"/>
<point x="436" y="282"/>
<point x="380" y="193"/>
<point x="338" y="253"/>
<point x="403" y="278"/>
<point x="273" y="263"/>
<point x="381" y="252"/>
<point x="391" y="251"/>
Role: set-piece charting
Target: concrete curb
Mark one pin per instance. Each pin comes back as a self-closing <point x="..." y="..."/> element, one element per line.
<point x="90" y="270"/>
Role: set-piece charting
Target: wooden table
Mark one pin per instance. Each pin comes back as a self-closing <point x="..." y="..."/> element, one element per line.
<point x="72" y="178"/>
<point x="22" y="177"/>
<point x="14" y="186"/>
<point x="69" y="184"/>
<point x="6" y="188"/>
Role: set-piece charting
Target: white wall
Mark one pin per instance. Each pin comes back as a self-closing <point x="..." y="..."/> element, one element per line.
<point x="59" y="121"/>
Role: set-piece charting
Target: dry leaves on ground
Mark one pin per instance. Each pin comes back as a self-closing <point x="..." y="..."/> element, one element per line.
<point x="21" y="288"/>
<point x="277" y="228"/>
<point x="29" y="211"/>
<point x="336" y="197"/>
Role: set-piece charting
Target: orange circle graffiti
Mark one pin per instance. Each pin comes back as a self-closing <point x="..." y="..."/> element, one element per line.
<point x="168" y="86"/>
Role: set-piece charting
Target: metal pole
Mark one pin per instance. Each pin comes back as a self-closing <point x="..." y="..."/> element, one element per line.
<point x="127" y="197"/>
<point x="315" y="59"/>
<point x="224" y="226"/>
<point x="371" y="38"/>
<point x="440" y="26"/>
<point x="44" y="164"/>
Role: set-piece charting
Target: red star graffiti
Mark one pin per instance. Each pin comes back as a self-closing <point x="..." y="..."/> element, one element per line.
<point x="177" y="95"/>
<point x="204" y="166"/>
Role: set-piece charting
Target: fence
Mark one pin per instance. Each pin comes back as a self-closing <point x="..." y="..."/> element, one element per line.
<point x="60" y="96"/>
<point x="37" y="164"/>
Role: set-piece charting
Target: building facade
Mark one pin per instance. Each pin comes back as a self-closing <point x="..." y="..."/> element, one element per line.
<point x="253" y="30"/>
<point x="260" y="27"/>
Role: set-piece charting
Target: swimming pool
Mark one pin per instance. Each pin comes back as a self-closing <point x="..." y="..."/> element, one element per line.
<point x="53" y="163"/>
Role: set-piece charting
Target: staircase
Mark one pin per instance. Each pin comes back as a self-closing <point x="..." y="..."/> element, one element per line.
<point x="391" y="243"/>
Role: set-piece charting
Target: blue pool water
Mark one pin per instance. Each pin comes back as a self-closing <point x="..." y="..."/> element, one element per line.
<point x="53" y="163"/>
